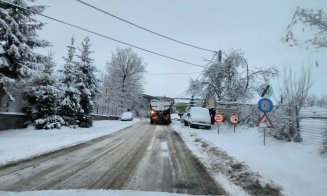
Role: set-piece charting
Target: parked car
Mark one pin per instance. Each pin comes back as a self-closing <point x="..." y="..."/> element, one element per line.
<point x="183" y="118"/>
<point x="198" y="117"/>
<point x="175" y="117"/>
<point x="126" y="116"/>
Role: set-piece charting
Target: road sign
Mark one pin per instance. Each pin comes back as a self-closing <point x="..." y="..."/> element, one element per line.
<point x="233" y="119"/>
<point x="265" y="105"/>
<point x="219" y="118"/>
<point x="264" y="118"/>
<point x="265" y="90"/>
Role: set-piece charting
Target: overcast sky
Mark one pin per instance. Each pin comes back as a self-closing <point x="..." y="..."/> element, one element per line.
<point x="253" y="26"/>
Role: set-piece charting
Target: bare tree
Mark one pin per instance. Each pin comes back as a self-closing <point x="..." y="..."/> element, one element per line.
<point x="315" y="101"/>
<point x="124" y="80"/>
<point x="316" y="19"/>
<point x="294" y="91"/>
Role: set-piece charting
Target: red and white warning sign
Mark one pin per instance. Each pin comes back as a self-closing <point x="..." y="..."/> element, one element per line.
<point x="262" y="119"/>
<point x="233" y="119"/>
<point x="219" y="118"/>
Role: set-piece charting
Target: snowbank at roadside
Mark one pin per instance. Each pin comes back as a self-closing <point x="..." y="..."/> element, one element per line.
<point x="17" y="144"/>
<point x="297" y="168"/>
<point x="83" y="192"/>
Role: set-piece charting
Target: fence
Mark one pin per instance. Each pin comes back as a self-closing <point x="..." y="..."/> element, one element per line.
<point x="108" y="110"/>
<point x="313" y="125"/>
<point x="313" y="122"/>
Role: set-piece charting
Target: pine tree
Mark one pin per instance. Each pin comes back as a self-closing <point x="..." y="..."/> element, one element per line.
<point x="86" y="83"/>
<point x="18" y="29"/>
<point x="70" y="107"/>
<point x="43" y="95"/>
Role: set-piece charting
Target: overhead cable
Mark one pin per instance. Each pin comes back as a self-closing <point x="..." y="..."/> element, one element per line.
<point x="207" y="65"/>
<point x="155" y="74"/>
<point x="104" y="36"/>
<point x="143" y="28"/>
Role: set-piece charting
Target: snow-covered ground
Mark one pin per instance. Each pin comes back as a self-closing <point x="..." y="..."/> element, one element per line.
<point x="87" y="193"/>
<point x="297" y="168"/>
<point x="24" y="143"/>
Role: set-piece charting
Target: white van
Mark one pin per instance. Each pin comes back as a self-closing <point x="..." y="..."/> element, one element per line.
<point x="198" y="117"/>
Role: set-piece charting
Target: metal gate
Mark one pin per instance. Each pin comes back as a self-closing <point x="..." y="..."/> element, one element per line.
<point x="313" y="125"/>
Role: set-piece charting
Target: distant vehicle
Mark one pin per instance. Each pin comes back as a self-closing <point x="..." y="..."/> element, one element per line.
<point x="198" y="117"/>
<point x="175" y="117"/>
<point x="160" y="111"/>
<point x="126" y="116"/>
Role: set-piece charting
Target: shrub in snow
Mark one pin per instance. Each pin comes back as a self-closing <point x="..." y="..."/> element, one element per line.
<point x="51" y="122"/>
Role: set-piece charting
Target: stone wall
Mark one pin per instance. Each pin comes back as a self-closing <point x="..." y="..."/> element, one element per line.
<point x="18" y="120"/>
<point x="13" y="121"/>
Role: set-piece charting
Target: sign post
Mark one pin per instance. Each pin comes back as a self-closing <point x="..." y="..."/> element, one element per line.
<point x="219" y="118"/>
<point x="265" y="105"/>
<point x="234" y="120"/>
<point x="265" y="90"/>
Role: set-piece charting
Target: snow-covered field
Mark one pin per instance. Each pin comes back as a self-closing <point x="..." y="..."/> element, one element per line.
<point x="297" y="168"/>
<point x="23" y="143"/>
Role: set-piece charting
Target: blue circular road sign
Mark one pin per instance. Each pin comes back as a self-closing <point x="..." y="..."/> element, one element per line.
<point x="265" y="105"/>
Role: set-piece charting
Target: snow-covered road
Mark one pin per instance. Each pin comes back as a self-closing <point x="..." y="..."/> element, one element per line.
<point x="143" y="157"/>
<point x="296" y="168"/>
<point x="21" y="144"/>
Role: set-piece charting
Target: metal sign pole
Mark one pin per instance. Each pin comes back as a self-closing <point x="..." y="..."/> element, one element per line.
<point x="218" y="128"/>
<point x="234" y="128"/>
<point x="264" y="137"/>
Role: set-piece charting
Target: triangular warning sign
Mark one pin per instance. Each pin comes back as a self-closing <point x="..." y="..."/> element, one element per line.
<point x="265" y="118"/>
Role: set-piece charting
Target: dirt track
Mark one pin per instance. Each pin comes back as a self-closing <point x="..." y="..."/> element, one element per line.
<point x="144" y="157"/>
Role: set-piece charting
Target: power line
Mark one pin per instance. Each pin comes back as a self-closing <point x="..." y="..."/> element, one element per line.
<point x="104" y="36"/>
<point x="143" y="28"/>
<point x="217" y="53"/>
<point x="200" y="73"/>
<point x="155" y="74"/>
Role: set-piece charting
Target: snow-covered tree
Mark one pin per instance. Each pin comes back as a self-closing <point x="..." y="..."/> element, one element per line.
<point x="43" y="95"/>
<point x="229" y="79"/>
<point x="294" y="91"/>
<point x="69" y="106"/>
<point x="315" y="101"/>
<point x="322" y="102"/>
<point x="315" y="19"/>
<point x="18" y="30"/>
<point x="124" y="78"/>
<point x="86" y="83"/>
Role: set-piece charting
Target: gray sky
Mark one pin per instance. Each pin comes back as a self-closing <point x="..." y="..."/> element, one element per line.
<point x="253" y="26"/>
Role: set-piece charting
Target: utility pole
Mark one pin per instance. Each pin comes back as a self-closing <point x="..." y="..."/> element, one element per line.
<point x="191" y="103"/>
<point x="219" y="56"/>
